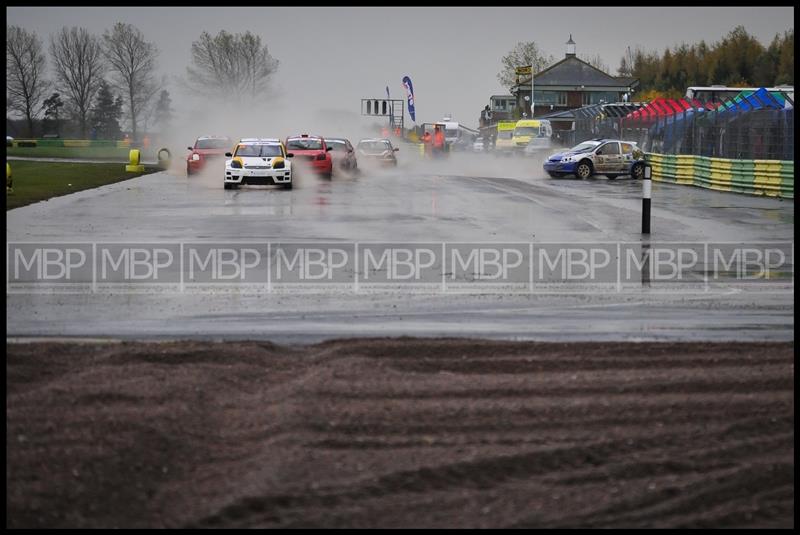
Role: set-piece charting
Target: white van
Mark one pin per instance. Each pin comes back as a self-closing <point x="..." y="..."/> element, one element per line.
<point x="542" y="142"/>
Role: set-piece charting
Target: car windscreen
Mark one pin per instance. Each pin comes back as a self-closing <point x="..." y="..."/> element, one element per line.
<point x="336" y="146"/>
<point x="264" y="151"/>
<point x="583" y="147"/>
<point x="373" y="147"/>
<point x="504" y="134"/>
<point x="304" y="144"/>
<point x="212" y="144"/>
<point x="526" y="131"/>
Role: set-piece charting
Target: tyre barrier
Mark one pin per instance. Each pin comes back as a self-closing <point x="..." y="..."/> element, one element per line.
<point x="135" y="166"/>
<point x="24" y="143"/>
<point x="772" y="178"/>
<point x="163" y="161"/>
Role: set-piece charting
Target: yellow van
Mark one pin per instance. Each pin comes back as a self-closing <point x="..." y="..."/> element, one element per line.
<point x="505" y="133"/>
<point x="524" y="131"/>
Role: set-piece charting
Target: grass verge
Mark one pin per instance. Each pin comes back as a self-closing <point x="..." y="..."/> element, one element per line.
<point x="37" y="181"/>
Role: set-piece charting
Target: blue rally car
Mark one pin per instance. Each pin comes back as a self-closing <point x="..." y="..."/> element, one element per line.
<point x="610" y="157"/>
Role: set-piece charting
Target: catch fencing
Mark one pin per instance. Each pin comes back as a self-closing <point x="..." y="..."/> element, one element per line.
<point x="754" y="127"/>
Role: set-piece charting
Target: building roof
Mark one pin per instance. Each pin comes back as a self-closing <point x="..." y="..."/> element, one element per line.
<point x="617" y="109"/>
<point x="572" y="71"/>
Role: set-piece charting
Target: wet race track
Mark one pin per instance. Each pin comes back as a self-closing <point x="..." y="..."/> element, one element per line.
<point x="326" y="413"/>
<point x="469" y="198"/>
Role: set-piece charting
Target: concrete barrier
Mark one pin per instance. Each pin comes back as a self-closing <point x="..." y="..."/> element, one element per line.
<point x="773" y="178"/>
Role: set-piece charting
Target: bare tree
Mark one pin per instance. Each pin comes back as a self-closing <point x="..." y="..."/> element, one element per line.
<point x="626" y="63"/>
<point x="231" y="66"/>
<point x="79" y="65"/>
<point x="595" y="61"/>
<point x="25" y="83"/>
<point x="133" y="62"/>
<point x="148" y="112"/>
<point x="522" y="55"/>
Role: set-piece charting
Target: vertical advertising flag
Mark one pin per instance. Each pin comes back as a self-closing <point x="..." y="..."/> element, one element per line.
<point x="410" y="93"/>
<point x="391" y="112"/>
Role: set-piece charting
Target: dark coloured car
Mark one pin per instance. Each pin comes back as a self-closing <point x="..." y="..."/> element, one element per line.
<point x="343" y="153"/>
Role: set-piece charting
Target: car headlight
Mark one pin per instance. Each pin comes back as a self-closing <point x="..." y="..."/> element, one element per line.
<point x="236" y="164"/>
<point x="195" y="156"/>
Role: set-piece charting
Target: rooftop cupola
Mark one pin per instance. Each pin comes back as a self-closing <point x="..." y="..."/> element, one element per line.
<point x="570" y="46"/>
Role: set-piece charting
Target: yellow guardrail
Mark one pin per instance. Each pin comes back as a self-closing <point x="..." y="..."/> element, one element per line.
<point x="77" y="143"/>
<point x="773" y="178"/>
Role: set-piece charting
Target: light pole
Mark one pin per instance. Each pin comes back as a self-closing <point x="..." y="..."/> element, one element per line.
<point x="533" y="100"/>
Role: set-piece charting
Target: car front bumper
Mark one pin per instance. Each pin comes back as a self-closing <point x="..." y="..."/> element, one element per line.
<point x="259" y="177"/>
<point x="317" y="166"/>
<point x="558" y="167"/>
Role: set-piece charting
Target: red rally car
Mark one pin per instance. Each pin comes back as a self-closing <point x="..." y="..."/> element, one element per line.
<point x="313" y="151"/>
<point x="206" y="148"/>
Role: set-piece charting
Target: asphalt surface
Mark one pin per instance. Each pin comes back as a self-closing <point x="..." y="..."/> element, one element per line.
<point x="468" y="198"/>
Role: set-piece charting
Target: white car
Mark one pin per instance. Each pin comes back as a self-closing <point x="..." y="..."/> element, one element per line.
<point x="258" y="161"/>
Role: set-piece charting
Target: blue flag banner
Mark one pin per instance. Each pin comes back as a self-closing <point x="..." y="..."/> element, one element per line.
<point x="410" y="93"/>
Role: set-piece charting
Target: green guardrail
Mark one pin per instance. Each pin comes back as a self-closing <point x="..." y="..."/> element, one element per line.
<point x="773" y="178"/>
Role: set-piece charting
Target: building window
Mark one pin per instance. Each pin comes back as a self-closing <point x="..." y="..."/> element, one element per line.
<point x="599" y="97"/>
<point x="555" y="98"/>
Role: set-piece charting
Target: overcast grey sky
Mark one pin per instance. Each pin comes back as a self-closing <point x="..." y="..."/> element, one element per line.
<point x="333" y="57"/>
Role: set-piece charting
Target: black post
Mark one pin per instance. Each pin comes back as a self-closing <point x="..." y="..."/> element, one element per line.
<point x="646" y="199"/>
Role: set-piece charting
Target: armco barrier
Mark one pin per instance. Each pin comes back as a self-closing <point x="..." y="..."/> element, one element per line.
<point x="79" y="143"/>
<point x="773" y="178"/>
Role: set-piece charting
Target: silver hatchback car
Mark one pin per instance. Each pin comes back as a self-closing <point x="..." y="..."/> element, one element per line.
<point x="610" y="157"/>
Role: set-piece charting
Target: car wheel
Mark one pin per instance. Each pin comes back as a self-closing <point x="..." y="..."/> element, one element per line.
<point x="554" y="175"/>
<point x="188" y="171"/>
<point x="584" y="170"/>
<point x="637" y="171"/>
<point x="287" y="186"/>
<point x="612" y="177"/>
<point x="228" y="186"/>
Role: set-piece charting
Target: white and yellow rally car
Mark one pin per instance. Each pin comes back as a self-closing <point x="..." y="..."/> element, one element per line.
<point x="258" y="161"/>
